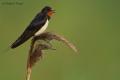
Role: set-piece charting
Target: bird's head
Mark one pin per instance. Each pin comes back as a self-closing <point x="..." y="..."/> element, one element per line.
<point x="48" y="11"/>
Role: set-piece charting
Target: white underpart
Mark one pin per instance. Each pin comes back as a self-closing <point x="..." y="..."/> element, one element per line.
<point x="42" y="29"/>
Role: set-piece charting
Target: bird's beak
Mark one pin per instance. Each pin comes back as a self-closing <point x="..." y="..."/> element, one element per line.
<point x="53" y="11"/>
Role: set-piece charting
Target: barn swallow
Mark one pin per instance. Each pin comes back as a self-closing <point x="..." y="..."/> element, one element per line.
<point x="37" y="26"/>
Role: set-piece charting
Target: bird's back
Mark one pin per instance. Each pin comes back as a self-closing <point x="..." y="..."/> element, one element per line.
<point x="30" y="31"/>
<point x="36" y="24"/>
<point x="24" y="37"/>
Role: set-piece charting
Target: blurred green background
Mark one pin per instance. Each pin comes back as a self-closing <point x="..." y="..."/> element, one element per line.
<point x="92" y="25"/>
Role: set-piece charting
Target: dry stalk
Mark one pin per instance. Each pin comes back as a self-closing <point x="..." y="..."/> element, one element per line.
<point x="37" y="47"/>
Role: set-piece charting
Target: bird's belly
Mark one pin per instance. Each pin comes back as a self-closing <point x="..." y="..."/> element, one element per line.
<point x="41" y="30"/>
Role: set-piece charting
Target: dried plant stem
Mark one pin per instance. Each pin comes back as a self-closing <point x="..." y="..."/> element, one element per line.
<point x="37" y="47"/>
<point x="64" y="40"/>
<point x="29" y="70"/>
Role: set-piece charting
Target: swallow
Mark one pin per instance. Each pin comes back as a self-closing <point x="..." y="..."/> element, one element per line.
<point x="37" y="26"/>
